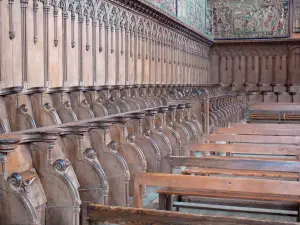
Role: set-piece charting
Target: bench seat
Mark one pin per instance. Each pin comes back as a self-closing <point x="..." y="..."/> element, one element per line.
<point x="248" y="173"/>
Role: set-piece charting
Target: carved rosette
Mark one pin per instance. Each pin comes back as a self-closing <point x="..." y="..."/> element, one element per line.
<point x="61" y="165"/>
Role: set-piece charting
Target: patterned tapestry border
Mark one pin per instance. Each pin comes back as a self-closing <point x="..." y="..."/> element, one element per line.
<point x="243" y="19"/>
<point x="296" y="19"/>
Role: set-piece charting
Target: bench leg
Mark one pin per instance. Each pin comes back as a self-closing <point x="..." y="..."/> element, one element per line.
<point x="169" y="202"/>
<point x="298" y="219"/>
<point x="162" y="202"/>
<point x="179" y="199"/>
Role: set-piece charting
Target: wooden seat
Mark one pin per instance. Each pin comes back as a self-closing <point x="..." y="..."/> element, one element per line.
<point x="248" y="173"/>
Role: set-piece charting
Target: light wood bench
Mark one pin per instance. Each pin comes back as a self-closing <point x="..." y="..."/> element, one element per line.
<point x="93" y="213"/>
<point x="216" y="187"/>
<point x="274" y="112"/>
<point x="231" y="167"/>
<point x="280" y="152"/>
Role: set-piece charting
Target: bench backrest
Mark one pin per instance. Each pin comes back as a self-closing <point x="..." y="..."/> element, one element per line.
<point x="264" y="131"/>
<point x="264" y="125"/>
<point x="290" y="140"/>
<point x="276" y="107"/>
<point x="236" y="163"/>
<point x="260" y="149"/>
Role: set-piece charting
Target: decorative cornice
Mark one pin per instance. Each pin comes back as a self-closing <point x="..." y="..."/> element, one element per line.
<point x="151" y="11"/>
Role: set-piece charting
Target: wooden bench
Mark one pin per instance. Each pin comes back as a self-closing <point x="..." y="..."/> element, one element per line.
<point x="274" y="112"/>
<point x="217" y="187"/>
<point x="238" y="151"/>
<point x="231" y="167"/>
<point x="93" y="213"/>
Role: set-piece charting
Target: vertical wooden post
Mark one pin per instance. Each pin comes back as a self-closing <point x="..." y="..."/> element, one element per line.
<point x="138" y="194"/>
<point x="206" y="115"/>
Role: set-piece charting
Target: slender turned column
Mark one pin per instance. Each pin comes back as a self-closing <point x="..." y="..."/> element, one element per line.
<point x="91" y="176"/>
<point x="136" y="96"/>
<point x="126" y="96"/>
<point x="143" y="92"/>
<point x="108" y="100"/>
<point x="79" y="103"/>
<point x="152" y="95"/>
<point x="149" y="147"/>
<point x="116" y="96"/>
<point x="19" y="183"/>
<point x="179" y="128"/>
<point x="62" y="103"/>
<point x="95" y="101"/>
<point x="192" y="119"/>
<point x="206" y="115"/>
<point x="114" y="165"/>
<point x="56" y="174"/>
<point x="129" y="149"/>
<point x="187" y="124"/>
<point x="160" y="139"/>
<point x="169" y="131"/>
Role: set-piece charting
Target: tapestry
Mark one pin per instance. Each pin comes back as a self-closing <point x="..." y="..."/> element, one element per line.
<point x="168" y="6"/>
<point x="192" y="12"/>
<point x="208" y="19"/>
<point x="235" y="19"/>
<point x="296" y="16"/>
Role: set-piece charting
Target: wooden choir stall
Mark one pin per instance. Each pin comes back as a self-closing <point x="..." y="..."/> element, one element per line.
<point x="118" y="112"/>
